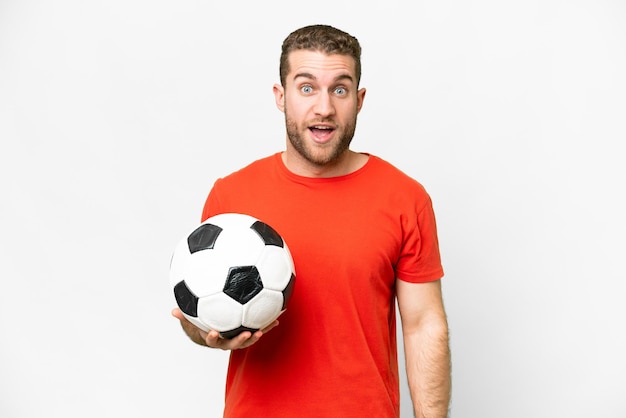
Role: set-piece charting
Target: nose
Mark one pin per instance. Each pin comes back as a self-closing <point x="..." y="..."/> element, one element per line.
<point x="324" y="105"/>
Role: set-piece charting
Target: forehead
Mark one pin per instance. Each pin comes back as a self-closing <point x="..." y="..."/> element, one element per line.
<point x="320" y="65"/>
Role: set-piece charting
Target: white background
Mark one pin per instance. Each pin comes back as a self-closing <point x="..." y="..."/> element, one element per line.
<point x="117" y="116"/>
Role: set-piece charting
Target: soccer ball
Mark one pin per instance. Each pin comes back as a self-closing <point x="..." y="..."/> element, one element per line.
<point x="232" y="273"/>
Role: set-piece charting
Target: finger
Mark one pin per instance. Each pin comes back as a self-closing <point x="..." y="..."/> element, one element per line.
<point x="246" y="339"/>
<point x="253" y="339"/>
<point x="242" y="340"/>
<point x="177" y="313"/>
<point x="212" y="339"/>
<point x="270" y="326"/>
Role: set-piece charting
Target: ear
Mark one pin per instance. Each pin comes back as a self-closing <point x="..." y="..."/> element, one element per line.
<point x="279" y="96"/>
<point x="360" y="96"/>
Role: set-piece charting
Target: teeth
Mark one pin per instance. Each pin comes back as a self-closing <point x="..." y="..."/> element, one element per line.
<point x="322" y="127"/>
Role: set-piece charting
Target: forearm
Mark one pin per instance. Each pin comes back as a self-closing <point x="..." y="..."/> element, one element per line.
<point x="193" y="333"/>
<point x="427" y="356"/>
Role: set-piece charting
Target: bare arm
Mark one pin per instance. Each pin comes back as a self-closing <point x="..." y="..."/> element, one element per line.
<point x="212" y="338"/>
<point x="427" y="352"/>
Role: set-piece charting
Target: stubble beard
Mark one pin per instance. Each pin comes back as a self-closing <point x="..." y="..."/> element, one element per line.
<point x="333" y="152"/>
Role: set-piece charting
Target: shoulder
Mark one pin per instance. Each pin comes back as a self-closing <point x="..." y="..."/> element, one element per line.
<point x="257" y="165"/>
<point x="392" y="176"/>
<point x="251" y="171"/>
<point x="235" y="192"/>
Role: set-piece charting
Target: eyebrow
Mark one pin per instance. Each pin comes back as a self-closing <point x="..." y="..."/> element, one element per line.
<point x="312" y="77"/>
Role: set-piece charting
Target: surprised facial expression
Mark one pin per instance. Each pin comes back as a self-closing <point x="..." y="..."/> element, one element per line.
<point x="321" y="102"/>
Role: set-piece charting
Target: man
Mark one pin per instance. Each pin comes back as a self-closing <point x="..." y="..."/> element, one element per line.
<point x="361" y="234"/>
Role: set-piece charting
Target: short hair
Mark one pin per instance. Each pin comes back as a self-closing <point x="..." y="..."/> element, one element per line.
<point x="322" y="38"/>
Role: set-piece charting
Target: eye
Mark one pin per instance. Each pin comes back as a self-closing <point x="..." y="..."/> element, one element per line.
<point x="341" y="91"/>
<point x="306" y="89"/>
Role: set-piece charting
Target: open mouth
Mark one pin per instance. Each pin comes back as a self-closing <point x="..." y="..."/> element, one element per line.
<point x="321" y="133"/>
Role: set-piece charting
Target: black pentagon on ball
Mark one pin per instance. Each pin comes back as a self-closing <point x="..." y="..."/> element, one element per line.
<point x="203" y="237"/>
<point x="288" y="291"/>
<point x="243" y="283"/>
<point x="187" y="301"/>
<point x="267" y="234"/>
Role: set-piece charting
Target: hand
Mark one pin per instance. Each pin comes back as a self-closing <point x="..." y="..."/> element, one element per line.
<point x="213" y="339"/>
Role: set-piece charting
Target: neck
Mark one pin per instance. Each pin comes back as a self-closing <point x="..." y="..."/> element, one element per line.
<point x="347" y="163"/>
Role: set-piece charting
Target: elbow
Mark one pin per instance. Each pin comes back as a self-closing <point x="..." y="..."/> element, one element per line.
<point x="433" y="326"/>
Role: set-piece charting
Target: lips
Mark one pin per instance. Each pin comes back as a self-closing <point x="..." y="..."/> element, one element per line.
<point x="321" y="133"/>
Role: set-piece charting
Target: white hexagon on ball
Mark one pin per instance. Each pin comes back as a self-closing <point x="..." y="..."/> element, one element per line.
<point x="220" y="312"/>
<point x="263" y="309"/>
<point x="275" y="267"/>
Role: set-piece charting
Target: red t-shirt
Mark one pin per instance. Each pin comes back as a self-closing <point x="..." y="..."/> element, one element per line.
<point x="334" y="353"/>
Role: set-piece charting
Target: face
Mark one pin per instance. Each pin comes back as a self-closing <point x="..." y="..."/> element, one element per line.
<point x="321" y="102"/>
